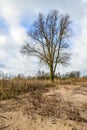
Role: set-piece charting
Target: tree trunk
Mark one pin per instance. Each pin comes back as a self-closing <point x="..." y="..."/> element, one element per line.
<point x="51" y="73"/>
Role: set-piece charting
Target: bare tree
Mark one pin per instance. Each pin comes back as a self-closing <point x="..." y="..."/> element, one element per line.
<point x="50" y="40"/>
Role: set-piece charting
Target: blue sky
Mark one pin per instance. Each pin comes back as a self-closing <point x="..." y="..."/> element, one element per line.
<point x="16" y="16"/>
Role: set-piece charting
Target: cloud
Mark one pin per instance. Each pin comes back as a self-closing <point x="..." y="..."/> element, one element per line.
<point x="16" y="17"/>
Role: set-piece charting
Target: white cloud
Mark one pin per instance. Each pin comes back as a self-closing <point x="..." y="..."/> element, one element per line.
<point x="13" y="12"/>
<point x="9" y="12"/>
<point x="3" y="40"/>
<point x="18" y="34"/>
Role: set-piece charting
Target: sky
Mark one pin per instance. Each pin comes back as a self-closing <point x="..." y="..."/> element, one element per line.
<point x="16" y="17"/>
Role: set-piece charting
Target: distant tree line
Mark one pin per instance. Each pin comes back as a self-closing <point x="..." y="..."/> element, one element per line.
<point x="45" y="75"/>
<point x="73" y="74"/>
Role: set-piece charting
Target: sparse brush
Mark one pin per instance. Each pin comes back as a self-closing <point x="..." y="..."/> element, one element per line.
<point x="14" y="87"/>
<point x="10" y="88"/>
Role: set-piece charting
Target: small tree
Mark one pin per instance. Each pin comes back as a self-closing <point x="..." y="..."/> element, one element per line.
<point x="74" y="74"/>
<point x="50" y="40"/>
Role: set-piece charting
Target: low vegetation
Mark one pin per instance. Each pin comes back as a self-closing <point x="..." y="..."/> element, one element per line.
<point x="14" y="87"/>
<point x="10" y="88"/>
<point x="46" y="99"/>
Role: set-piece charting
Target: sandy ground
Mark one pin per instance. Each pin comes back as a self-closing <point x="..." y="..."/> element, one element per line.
<point x="14" y="117"/>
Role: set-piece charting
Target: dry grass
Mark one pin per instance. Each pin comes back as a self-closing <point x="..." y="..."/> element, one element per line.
<point x="71" y="81"/>
<point x="15" y="87"/>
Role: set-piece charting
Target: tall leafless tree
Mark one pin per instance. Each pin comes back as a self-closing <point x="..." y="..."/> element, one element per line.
<point x="50" y="40"/>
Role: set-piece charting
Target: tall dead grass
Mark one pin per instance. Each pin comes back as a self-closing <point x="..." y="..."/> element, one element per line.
<point x="14" y="87"/>
<point x="71" y="81"/>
